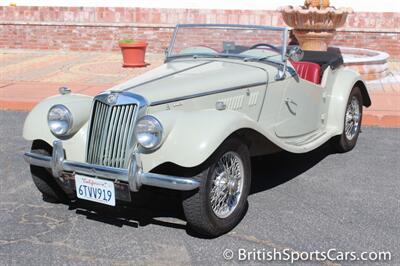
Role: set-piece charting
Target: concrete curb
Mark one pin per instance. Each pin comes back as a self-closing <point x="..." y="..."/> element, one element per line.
<point x="381" y="121"/>
<point x="17" y="106"/>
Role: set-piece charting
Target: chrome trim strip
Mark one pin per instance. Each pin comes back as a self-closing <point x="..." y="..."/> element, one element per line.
<point x="285" y="43"/>
<point x="187" y="97"/>
<point x="134" y="175"/>
<point x="172" y="43"/>
<point x="232" y="26"/>
<point x="124" y="97"/>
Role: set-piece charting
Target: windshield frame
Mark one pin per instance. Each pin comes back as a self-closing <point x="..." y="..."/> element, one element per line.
<point x="285" y="32"/>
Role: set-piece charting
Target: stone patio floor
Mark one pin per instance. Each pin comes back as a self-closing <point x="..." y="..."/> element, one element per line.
<point x="28" y="76"/>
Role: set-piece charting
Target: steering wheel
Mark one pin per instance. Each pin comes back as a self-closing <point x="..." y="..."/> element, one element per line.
<point x="269" y="46"/>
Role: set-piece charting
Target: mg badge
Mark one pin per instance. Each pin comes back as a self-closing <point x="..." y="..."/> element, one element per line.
<point x="112" y="98"/>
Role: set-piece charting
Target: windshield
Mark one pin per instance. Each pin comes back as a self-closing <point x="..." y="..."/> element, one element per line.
<point x="241" y="41"/>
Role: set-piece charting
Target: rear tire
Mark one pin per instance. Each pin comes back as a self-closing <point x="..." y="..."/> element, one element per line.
<point x="43" y="179"/>
<point x="207" y="209"/>
<point x="352" y="123"/>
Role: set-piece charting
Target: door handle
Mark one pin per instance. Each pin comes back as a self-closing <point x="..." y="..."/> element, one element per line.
<point x="289" y="102"/>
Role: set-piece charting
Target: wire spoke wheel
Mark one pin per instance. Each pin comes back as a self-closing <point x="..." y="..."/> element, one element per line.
<point x="227" y="184"/>
<point x="352" y="119"/>
<point x="220" y="202"/>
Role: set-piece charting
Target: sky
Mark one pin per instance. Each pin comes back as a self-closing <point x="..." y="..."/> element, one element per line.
<point x="357" y="5"/>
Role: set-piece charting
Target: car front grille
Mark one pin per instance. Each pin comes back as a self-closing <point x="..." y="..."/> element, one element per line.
<point x="111" y="134"/>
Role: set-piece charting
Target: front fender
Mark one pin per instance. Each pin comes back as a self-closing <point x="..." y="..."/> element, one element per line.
<point x="191" y="137"/>
<point x="343" y="82"/>
<point x="36" y="127"/>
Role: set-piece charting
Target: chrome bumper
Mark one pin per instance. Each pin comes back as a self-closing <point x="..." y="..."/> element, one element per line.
<point x="133" y="175"/>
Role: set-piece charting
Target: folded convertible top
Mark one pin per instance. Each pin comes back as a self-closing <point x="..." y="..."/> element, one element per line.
<point x="324" y="59"/>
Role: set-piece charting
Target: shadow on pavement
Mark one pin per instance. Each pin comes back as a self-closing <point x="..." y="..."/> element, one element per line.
<point x="154" y="206"/>
<point x="273" y="170"/>
<point x="146" y="206"/>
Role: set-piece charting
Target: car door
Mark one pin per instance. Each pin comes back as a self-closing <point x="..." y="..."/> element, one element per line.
<point x="299" y="112"/>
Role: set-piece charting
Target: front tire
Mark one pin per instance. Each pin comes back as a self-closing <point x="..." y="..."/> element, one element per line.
<point x="43" y="179"/>
<point x="352" y="123"/>
<point x="220" y="202"/>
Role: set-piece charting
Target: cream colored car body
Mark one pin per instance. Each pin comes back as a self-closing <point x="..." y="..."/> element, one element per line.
<point x="291" y="114"/>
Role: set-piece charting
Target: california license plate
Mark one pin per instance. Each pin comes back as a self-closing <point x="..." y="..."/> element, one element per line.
<point x="93" y="189"/>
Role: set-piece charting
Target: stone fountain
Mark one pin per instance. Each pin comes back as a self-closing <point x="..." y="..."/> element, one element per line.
<point x="314" y="26"/>
<point x="315" y="23"/>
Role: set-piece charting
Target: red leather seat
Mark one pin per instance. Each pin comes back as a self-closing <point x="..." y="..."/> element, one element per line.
<point x="308" y="71"/>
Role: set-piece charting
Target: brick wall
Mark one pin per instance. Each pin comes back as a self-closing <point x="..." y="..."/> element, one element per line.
<point x="90" y="28"/>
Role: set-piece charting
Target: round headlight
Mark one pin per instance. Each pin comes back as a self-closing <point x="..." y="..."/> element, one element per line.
<point x="148" y="132"/>
<point x="59" y="119"/>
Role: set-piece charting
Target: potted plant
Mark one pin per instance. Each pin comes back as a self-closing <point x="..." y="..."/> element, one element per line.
<point x="133" y="52"/>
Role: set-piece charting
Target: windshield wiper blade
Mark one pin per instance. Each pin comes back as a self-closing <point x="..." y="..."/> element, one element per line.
<point x="229" y="56"/>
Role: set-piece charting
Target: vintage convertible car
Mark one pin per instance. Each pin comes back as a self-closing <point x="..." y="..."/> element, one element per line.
<point x="224" y="94"/>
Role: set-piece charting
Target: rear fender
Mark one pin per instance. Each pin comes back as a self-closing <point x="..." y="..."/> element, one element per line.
<point x="343" y="82"/>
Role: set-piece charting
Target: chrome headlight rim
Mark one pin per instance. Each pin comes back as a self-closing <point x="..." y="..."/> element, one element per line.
<point x="160" y="132"/>
<point x="69" y="121"/>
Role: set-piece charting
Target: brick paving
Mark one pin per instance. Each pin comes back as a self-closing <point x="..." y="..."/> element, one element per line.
<point x="385" y="96"/>
<point x="28" y="76"/>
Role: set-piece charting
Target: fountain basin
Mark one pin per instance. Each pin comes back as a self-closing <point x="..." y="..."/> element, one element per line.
<point x="371" y="64"/>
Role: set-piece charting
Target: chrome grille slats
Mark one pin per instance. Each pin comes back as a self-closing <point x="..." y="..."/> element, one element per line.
<point x="124" y="132"/>
<point x="118" y="145"/>
<point x="103" y="137"/>
<point x="110" y="135"/>
<point x="97" y="155"/>
<point x="109" y="138"/>
<point x="99" y="132"/>
<point x="113" y="151"/>
<point x="94" y="126"/>
<point x="99" y="113"/>
<point x="131" y="125"/>
<point x="114" y="136"/>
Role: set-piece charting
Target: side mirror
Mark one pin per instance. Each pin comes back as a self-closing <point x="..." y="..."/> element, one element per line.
<point x="296" y="54"/>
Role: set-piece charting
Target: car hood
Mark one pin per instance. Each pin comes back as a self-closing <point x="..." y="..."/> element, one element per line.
<point x="180" y="79"/>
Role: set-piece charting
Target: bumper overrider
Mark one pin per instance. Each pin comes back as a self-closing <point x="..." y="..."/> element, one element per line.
<point x="133" y="175"/>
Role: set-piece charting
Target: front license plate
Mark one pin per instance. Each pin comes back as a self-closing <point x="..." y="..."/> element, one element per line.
<point x="93" y="189"/>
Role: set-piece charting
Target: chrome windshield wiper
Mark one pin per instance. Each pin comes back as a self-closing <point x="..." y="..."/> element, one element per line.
<point x="194" y="56"/>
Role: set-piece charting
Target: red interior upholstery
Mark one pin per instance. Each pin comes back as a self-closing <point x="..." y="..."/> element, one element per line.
<point x="308" y="71"/>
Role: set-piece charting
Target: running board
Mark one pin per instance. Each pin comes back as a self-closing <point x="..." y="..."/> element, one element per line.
<point x="309" y="138"/>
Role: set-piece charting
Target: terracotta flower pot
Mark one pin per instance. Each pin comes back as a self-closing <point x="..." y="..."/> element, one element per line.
<point x="133" y="53"/>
